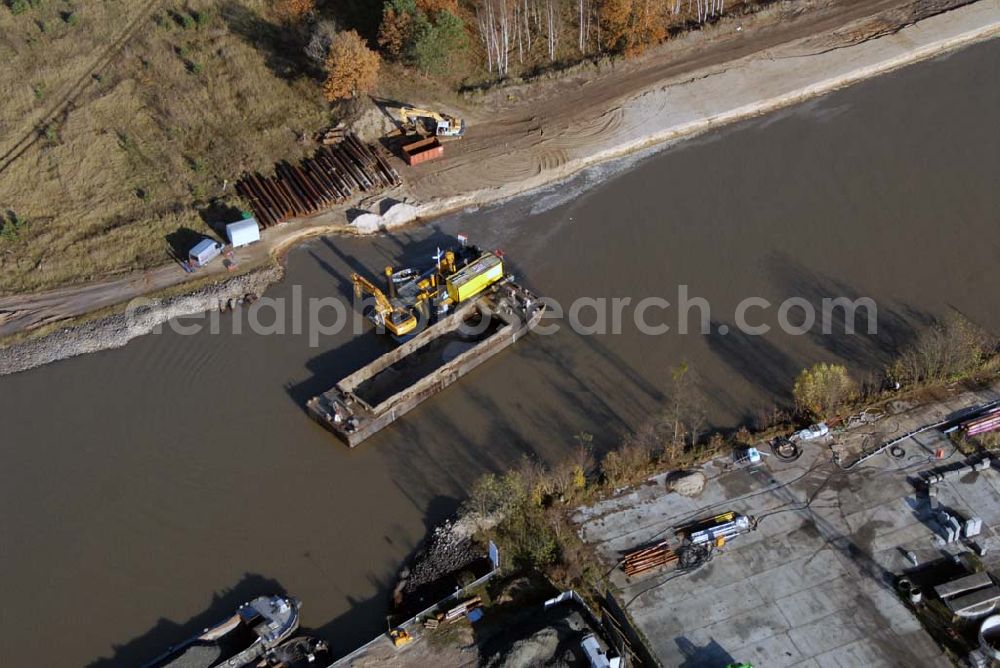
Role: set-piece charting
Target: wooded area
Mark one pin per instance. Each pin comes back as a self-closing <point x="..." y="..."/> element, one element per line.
<point x="494" y="39"/>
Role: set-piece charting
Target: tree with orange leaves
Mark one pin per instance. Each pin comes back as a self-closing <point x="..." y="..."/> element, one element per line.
<point x="629" y="26"/>
<point x="295" y="11"/>
<point x="351" y="67"/>
<point x="615" y="18"/>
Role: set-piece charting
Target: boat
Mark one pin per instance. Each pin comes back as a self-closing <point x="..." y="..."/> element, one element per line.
<point x="300" y="652"/>
<point x="448" y="320"/>
<point x="257" y="627"/>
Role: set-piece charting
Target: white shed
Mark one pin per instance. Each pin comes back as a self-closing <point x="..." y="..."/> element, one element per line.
<point x="243" y="232"/>
<point x="204" y="252"/>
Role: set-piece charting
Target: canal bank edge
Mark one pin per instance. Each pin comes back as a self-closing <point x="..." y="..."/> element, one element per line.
<point x="746" y="88"/>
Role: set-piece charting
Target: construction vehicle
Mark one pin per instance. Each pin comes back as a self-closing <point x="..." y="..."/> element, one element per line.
<point x="393" y="318"/>
<point x="446" y="126"/>
<point x="419" y="298"/>
<point x="399" y="637"/>
<point x="718" y="529"/>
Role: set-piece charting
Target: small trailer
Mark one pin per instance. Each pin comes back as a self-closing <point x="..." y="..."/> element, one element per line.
<point x="422" y="151"/>
<point x="243" y="232"/>
<point x="204" y="252"/>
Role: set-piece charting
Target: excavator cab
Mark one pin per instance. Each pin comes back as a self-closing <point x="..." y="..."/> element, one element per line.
<point x="449" y="126"/>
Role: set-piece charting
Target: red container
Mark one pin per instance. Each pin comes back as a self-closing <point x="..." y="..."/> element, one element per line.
<point x="422" y="151"/>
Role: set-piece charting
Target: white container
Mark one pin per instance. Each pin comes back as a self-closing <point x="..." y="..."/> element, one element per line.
<point x="243" y="232"/>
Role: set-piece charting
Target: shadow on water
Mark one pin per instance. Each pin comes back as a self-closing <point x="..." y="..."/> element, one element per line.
<point x="895" y="324"/>
<point x="367" y="616"/>
<point x="167" y="633"/>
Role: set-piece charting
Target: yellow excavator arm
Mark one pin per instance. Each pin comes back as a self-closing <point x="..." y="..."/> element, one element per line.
<point x="396" y="320"/>
<point x="447" y="126"/>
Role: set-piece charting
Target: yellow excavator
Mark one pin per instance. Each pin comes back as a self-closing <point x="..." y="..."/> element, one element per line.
<point x="397" y="320"/>
<point x="447" y="126"/>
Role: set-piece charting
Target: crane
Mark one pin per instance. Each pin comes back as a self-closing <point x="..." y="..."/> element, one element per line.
<point x="447" y="126"/>
<point x="397" y="321"/>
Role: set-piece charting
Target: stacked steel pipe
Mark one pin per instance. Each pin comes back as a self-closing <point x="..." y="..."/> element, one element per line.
<point x="648" y="558"/>
<point x="983" y="424"/>
<point x="330" y="177"/>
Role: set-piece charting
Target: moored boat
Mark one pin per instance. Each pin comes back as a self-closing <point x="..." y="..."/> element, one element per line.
<point x="257" y="627"/>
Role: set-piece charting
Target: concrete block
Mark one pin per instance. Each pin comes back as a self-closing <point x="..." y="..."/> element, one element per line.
<point x="976" y="603"/>
<point x="973" y="527"/>
<point x="982" y="465"/>
<point x="963" y="584"/>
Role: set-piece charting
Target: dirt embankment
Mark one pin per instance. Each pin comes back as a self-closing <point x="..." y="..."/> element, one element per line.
<point x="525" y="137"/>
<point x="139" y="317"/>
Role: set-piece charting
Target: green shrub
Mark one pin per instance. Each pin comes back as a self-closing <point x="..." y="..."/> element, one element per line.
<point x="51" y="134"/>
<point x="203" y="17"/>
<point x="12" y="226"/>
<point x="17" y="6"/>
<point x="435" y="42"/>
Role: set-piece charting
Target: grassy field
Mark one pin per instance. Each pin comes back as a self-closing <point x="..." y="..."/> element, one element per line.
<point x="125" y="124"/>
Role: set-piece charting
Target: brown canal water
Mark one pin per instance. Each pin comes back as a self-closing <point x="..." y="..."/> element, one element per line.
<point x="144" y="492"/>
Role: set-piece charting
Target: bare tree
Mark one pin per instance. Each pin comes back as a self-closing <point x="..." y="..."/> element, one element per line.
<point x="553" y="27"/>
<point x="494" y="20"/>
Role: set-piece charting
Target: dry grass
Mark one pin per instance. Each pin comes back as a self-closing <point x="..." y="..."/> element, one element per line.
<point x="143" y="146"/>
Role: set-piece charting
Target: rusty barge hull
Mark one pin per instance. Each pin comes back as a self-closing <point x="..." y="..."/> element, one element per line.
<point x="349" y="409"/>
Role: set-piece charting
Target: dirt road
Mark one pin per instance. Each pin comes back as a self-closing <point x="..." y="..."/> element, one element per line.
<point x="532" y="135"/>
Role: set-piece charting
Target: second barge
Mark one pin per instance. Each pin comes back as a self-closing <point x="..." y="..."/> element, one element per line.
<point x="477" y="329"/>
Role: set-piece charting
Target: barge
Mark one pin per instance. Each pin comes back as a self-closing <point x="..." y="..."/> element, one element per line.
<point x="478" y="312"/>
<point x="247" y="637"/>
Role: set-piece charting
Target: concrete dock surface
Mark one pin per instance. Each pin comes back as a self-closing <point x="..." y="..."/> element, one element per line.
<point x="814" y="584"/>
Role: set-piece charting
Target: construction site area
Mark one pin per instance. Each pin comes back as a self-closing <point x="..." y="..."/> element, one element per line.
<point x="873" y="544"/>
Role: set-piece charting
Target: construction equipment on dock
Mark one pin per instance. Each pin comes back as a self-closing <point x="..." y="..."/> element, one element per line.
<point x="717" y="530"/>
<point x="463" y="304"/>
<point x="330" y="177"/>
<point x="445" y="125"/>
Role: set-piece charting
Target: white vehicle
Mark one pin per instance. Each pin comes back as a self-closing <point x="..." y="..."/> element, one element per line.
<point x="812" y="432"/>
<point x="204" y="252"/>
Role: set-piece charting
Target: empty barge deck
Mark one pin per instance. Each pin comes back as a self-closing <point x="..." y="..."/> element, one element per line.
<point x="373" y="397"/>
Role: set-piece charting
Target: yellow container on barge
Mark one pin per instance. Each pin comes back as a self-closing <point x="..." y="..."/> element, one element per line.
<point x="469" y="281"/>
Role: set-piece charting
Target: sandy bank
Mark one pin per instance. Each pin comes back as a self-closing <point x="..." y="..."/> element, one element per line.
<point x="555" y="148"/>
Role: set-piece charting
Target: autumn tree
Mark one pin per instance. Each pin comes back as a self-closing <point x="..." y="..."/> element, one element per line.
<point x="295" y="11"/>
<point x="824" y="389"/>
<point x="615" y="18"/>
<point x="423" y="33"/>
<point x="629" y="26"/>
<point x="394" y="33"/>
<point x="351" y="67"/>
